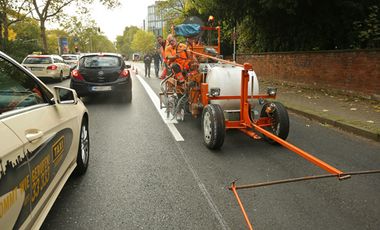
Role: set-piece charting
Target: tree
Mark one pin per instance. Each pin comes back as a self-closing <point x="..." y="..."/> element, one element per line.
<point x="124" y="43"/>
<point x="26" y="39"/>
<point x="368" y="30"/>
<point x="143" y="42"/>
<point x="11" y="11"/>
<point x="173" y="11"/>
<point x="46" y="9"/>
<point x="52" y="37"/>
<point x="104" y="45"/>
<point x="287" y="25"/>
<point x="85" y="34"/>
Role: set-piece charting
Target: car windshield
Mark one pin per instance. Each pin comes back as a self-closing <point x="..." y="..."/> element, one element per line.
<point x="101" y="61"/>
<point x="69" y="58"/>
<point x="38" y="60"/>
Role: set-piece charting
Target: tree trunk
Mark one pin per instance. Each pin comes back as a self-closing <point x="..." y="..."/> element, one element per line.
<point x="1" y="36"/>
<point x="3" y="28"/>
<point x="6" y="32"/>
<point x="43" y="37"/>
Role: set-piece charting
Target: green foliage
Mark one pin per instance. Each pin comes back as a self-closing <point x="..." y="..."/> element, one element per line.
<point x="52" y="40"/>
<point x="26" y="29"/>
<point x="173" y="11"/>
<point x="103" y="44"/>
<point x="53" y="10"/>
<point x="368" y="30"/>
<point x="19" y="49"/>
<point x="27" y="39"/>
<point x="123" y="43"/>
<point x="143" y="42"/>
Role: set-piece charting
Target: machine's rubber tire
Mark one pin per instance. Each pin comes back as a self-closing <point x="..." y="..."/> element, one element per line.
<point x="280" y="121"/>
<point x="83" y="149"/>
<point x="213" y="126"/>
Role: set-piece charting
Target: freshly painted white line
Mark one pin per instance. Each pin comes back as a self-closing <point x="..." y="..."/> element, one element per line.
<point x="156" y="102"/>
<point x="178" y="137"/>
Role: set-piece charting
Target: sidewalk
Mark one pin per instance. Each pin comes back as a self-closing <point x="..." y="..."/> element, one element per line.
<point x="353" y="114"/>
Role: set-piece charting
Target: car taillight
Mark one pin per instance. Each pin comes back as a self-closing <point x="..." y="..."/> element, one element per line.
<point x="124" y="73"/>
<point x="52" y="67"/>
<point x="76" y="74"/>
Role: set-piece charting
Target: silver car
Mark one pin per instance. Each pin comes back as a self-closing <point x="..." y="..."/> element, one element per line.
<point x="44" y="139"/>
<point x="47" y="66"/>
<point x="71" y="60"/>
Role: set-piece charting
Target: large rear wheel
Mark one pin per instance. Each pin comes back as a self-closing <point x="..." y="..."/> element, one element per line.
<point x="213" y="126"/>
<point x="279" y="120"/>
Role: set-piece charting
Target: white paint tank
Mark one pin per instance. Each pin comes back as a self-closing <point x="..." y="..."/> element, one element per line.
<point x="228" y="79"/>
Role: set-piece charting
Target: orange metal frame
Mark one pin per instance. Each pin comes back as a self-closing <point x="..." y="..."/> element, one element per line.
<point x="248" y="126"/>
<point x="245" y="121"/>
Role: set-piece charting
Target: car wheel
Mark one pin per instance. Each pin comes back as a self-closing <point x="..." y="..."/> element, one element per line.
<point x="126" y="97"/>
<point x="213" y="126"/>
<point x="129" y="96"/>
<point x="279" y="120"/>
<point x="83" y="149"/>
<point x="60" y="76"/>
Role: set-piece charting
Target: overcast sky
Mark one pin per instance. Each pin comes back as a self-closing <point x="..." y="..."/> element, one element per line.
<point x="113" y="22"/>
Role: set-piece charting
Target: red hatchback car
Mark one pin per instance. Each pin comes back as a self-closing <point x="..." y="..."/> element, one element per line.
<point x="102" y="73"/>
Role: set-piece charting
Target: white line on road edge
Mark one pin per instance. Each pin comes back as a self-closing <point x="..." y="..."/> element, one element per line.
<point x="156" y="102"/>
<point x="178" y="137"/>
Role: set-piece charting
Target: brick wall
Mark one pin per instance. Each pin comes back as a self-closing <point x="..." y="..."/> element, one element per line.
<point x="353" y="71"/>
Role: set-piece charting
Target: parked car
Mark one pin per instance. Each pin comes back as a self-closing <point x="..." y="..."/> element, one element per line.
<point x="44" y="138"/>
<point x="71" y="60"/>
<point x="102" y="73"/>
<point x="47" y="66"/>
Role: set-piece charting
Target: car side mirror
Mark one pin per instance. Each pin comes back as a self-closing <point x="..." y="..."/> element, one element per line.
<point x="128" y="66"/>
<point x="65" y="95"/>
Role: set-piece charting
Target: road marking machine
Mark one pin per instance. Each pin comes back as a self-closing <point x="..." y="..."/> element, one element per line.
<point x="225" y="93"/>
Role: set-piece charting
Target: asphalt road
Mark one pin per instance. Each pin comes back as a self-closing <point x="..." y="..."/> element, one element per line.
<point x="140" y="177"/>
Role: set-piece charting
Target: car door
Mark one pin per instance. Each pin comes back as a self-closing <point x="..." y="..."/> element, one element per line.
<point x="46" y="131"/>
<point x="65" y="68"/>
<point x="14" y="180"/>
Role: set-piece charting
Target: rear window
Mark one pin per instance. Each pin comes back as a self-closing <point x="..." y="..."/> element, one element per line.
<point x="69" y="58"/>
<point x="100" y="61"/>
<point x="38" y="60"/>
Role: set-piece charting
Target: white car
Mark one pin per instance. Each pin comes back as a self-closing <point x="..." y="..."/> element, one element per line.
<point x="71" y="60"/>
<point x="44" y="139"/>
<point x="47" y="66"/>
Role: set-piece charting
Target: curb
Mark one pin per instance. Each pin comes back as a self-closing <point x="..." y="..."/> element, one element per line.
<point x="349" y="128"/>
<point x="338" y="124"/>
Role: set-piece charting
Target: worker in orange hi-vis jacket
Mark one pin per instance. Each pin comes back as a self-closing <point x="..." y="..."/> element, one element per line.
<point x="177" y="57"/>
<point x="161" y="44"/>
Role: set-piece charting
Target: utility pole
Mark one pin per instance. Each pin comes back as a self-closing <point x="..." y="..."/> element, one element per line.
<point x="234" y="38"/>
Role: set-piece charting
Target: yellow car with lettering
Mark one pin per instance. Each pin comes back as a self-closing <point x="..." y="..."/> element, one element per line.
<point x="44" y="139"/>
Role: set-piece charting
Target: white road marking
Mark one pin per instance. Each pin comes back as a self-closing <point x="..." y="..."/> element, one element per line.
<point x="156" y="101"/>
<point x="178" y="137"/>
